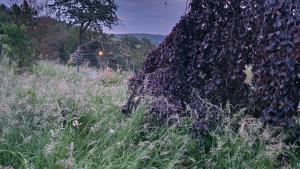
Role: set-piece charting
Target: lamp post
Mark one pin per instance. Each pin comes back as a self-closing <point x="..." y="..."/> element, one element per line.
<point x="101" y="55"/>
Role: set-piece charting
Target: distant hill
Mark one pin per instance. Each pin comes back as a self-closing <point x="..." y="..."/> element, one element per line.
<point x="154" y="38"/>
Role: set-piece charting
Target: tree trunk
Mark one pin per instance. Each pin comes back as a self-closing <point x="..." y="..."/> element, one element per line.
<point x="80" y="37"/>
<point x="82" y="29"/>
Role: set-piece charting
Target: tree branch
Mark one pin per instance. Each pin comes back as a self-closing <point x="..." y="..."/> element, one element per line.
<point x="85" y="26"/>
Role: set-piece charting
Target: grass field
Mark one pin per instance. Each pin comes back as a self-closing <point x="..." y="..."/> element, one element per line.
<point x="54" y="118"/>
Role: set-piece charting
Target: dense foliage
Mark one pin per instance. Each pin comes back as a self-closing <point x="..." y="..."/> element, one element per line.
<point x="22" y="14"/>
<point x="207" y="53"/>
<point x="17" y="29"/>
<point x="134" y="51"/>
<point x="86" y="13"/>
<point x="16" y="45"/>
<point x="51" y="39"/>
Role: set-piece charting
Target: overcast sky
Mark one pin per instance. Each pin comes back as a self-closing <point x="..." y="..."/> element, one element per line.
<point x="145" y="16"/>
<point x="148" y="16"/>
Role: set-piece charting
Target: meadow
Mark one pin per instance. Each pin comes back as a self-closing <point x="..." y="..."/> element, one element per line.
<point x="53" y="117"/>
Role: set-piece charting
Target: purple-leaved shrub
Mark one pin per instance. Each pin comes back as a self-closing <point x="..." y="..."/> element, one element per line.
<point x="206" y="55"/>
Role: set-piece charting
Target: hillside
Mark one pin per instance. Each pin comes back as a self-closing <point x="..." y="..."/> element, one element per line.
<point x="56" y="40"/>
<point x="154" y="38"/>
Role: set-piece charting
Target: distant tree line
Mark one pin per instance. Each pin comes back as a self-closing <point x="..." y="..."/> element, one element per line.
<point x="28" y="34"/>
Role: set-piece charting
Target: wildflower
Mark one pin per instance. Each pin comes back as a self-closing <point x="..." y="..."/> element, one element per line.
<point x="151" y="146"/>
<point x="164" y="153"/>
<point x="111" y="131"/>
<point x="27" y="139"/>
<point x="76" y="124"/>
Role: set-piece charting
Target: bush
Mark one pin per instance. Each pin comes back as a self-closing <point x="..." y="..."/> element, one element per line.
<point x="207" y="53"/>
<point x="17" y="45"/>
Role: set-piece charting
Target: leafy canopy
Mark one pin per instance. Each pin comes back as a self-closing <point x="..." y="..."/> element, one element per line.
<point x="22" y="14"/>
<point x="86" y="12"/>
<point x="18" y="44"/>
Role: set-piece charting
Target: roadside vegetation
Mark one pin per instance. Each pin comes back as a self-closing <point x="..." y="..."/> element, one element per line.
<point x="53" y="117"/>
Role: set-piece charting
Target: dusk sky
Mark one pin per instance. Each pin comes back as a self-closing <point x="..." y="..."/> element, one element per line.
<point x="148" y="16"/>
<point x="145" y="16"/>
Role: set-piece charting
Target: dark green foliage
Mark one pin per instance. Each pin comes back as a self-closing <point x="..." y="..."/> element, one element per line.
<point x="18" y="44"/>
<point x="22" y="14"/>
<point x="82" y="11"/>
<point x="86" y="13"/>
<point x="153" y="38"/>
<point x="68" y="45"/>
<point x="17" y="31"/>
<point x="206" y="54"/>
<point x="135" y="50"/>
<point x="4" y="16"/>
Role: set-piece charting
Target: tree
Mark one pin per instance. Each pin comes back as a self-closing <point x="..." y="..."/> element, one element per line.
<point x="17" y="29"/>
<point x="22" y="14"/>
<point x="205" y="57"/>
<point x="18" y="43"/>
<point x="4" y="18"/>
<point x="135" y="50"/>
<point x="85" y="13"/>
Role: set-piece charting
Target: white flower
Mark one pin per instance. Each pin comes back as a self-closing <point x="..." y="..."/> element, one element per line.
<point x="76" y="124"/>
<point x="111" y="131"/>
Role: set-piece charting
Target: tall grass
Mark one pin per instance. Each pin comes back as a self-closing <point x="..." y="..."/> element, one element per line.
<point x="56" y="118"/>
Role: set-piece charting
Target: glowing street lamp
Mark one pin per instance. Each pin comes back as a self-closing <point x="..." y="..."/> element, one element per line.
<point x="100" y="53"/>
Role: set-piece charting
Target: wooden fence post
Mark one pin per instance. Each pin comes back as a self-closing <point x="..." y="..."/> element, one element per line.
<point x="77" y="56"/>
<point x="0" y="50"/>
